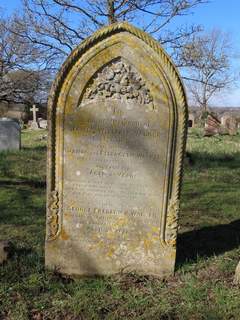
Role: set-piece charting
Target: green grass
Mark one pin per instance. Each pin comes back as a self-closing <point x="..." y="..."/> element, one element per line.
<point x="208" y="245"/>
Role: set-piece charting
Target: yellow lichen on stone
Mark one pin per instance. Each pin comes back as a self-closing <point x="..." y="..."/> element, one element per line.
<point x="115" y="178"/>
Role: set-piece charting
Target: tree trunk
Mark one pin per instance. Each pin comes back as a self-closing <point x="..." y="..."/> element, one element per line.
<point x="204" y="100"/>
<point x="111" y="12"/>
<point x="204" y="107"/>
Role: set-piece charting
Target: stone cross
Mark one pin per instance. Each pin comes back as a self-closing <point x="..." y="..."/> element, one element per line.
<point x="34" y="111"/>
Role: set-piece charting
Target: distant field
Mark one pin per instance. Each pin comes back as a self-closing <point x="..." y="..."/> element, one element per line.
<point x="208" y="245"/>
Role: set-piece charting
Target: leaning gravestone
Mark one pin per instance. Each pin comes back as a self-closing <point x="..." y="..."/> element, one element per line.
<point x="10" y="134"/>
<point x="118" y="118"/>
<point x="212" y="126"/>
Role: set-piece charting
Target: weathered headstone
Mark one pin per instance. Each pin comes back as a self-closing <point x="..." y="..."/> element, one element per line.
<point x="42" y="123"/>
<point x="224" y="118"/>
<point x="212" y="126"/>
<point x="34" y="123"/>
<point x="231" y="125"/>
<point x="191" y="120"/>
<point x="118" y="116"/>
<point x="10" y="134"/>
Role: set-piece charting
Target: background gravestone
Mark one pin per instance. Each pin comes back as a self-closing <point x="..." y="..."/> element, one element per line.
<point x="231" y="125"/>
<point x="191" y="120"/>
<point x="10" y="134"/>
<point x="42" y="123"/>
<point x="212" y="126"/>
<point x="118" y="119"/>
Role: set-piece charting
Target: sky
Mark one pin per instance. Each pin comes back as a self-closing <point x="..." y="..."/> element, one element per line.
<point x="216" y="14"/>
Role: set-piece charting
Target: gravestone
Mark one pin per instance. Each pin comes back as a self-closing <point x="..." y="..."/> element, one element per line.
<point x="34" y="123"/>
<point x="10" y="134"/>
<point x="191" y="120"/>
<point x="42" y="123"/>
<point x="224" y="118"/>
<point x="118" y="119"/>
<point x="231" y="125"/>
<point x="212" y="126"/>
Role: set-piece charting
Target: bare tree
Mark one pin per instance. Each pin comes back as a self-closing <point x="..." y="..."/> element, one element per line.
<point x="208" y="67"/>
<point x="21" y="76"/>
<point x="28" y="86"/>
<point x="57" y="26"/>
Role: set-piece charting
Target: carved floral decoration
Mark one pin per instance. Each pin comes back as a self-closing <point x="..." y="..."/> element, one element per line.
<point x="118" y="80"/>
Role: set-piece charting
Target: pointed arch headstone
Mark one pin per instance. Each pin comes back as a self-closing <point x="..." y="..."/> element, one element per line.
<point x="117" y="123"/>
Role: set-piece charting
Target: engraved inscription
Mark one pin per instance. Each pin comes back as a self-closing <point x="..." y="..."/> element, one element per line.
<point x="113" y="170"/>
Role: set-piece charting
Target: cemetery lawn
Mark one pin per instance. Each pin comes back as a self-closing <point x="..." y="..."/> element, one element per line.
<point x="208" y="245"/>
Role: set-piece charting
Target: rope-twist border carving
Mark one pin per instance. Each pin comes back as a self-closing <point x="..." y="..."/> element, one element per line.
<point x="172" y="223"/>
<point x="53" y="226"/>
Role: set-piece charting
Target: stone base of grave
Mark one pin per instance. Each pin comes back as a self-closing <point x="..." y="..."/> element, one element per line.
<point x="159" y="261"/>
<point x="34" y="126"/>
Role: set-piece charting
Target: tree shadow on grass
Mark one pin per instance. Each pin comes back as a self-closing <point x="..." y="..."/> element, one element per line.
<point x="35" y="148"/>
<point x="18" y="205"/>
<point x="207" y="160"/>
<point x="207" y="242"/>
<point x="33" y="183"/>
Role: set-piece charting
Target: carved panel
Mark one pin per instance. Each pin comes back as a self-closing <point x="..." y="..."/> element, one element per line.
<point x="118" y="80"/>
